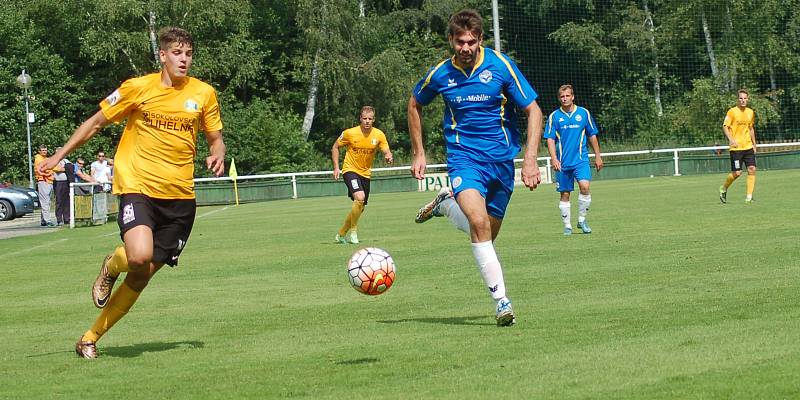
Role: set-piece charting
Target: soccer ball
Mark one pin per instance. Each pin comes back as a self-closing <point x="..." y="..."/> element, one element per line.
<point x="371" y="271"/>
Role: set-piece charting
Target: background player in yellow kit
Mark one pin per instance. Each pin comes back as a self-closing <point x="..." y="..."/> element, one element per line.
<point x="362" y="142"/>
<point x="154" y="171"/>
<point x="738" y="128"/>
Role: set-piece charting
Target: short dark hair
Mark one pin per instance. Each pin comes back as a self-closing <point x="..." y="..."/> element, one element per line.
<point x="172" y="34"/>
<point x="467" y="20"/>
<point x="42" y="147"/>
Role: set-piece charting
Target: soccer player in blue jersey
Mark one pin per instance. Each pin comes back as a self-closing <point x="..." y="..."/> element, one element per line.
<point x="568" y="130"/>
<point x="482" y="139"/>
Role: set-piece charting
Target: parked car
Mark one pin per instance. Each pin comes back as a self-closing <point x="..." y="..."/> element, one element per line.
<point x="16" y="201"/>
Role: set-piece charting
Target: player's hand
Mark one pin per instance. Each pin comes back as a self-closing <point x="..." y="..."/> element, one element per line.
<point x="598" y="162"/>
<point x="556" y="164"/>
<point x="755" y="150"/>
<point x="734" y="143"/>
<point x="389" y="158"/>
<point x="531" y="176"/>
<point x="418" y="167"/>
<point x="45" y="167"/>
<point x="216" y="165"/>
<point x="336" y="173"/>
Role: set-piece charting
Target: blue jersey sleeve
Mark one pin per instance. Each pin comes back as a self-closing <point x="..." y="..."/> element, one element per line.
<point x="427" y="88"/>
<point x="517" y="87"/>
<point x="591" y="125"/>
<point x="551" y="128"/>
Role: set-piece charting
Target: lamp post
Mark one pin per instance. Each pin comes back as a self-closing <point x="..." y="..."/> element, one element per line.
<point x="24" y="82"/>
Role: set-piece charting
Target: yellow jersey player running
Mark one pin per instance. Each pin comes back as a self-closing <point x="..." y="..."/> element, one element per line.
<point x="362" y="142"/>
<point x="153" y="174"/>
<point x="738" y="128"/>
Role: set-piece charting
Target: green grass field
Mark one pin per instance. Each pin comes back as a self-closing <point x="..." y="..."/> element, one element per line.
<point x="673" y="296"/>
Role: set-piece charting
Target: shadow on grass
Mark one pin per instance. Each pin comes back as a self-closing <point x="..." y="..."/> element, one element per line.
<point x="444" y="321"/>
<point x="357" y="361"/>
<point x="135" y="350"/>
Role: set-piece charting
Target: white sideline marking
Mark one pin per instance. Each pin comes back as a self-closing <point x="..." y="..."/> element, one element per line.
<point x="35" y="247"/>
<point x="212" y="212"/>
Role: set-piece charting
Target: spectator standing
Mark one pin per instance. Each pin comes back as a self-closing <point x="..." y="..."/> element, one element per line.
<point x="44" y="187"/>
<point x="61" y="189"/>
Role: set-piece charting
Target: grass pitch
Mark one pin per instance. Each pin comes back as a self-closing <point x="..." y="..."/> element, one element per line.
<point x="673" y="296"/>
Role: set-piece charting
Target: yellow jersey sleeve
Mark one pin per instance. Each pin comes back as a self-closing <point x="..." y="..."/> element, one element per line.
<point x="212" y="121"/>
<point x="121" y="102"/>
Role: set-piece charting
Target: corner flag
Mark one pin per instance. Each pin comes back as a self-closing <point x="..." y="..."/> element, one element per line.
<point x="233" y="174"/>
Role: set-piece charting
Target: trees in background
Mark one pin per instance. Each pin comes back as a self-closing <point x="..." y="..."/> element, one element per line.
<point x="656" y="72"/>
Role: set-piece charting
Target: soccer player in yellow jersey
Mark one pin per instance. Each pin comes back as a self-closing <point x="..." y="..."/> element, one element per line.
<point x="738" y="128"/>
<point x="362" y="142"/>
<point x="153" y="174"/>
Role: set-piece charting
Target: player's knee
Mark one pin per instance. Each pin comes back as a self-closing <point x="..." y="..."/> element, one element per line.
<point x="359" y="196"/>
<point x="139" y="262"/>
<point x="751" y="170"/>
<point x="737" y="173"/>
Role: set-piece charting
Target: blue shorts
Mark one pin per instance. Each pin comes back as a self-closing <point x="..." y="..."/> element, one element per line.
<point x="565" y="179"/>
<point x="493" y="180"/>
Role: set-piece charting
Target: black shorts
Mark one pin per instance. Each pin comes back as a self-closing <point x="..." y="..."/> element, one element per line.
<point x="746" y="157"/>
<point x="171" y="221"/>
<point x="356" y="183"/>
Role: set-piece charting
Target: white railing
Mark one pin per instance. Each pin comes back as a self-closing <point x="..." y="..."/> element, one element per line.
<point x="547" y="170"/>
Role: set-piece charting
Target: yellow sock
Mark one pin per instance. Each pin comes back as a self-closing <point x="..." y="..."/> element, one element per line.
<point x="118" y="262"/>
<point x="751" y="185"/>
<point x="355" y="214"/>
<point x="346" y="227"/>
<point x="729" y="180"/>
<point x="121" y="301"/>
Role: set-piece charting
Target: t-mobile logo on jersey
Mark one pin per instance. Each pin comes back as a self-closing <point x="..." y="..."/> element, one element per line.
<point x="127" y="214"/>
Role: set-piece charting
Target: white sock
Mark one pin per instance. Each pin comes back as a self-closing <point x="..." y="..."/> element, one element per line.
<point x="490" y="269"/>
<point x="565" y="207"/>
<point x="450" y="209"/>
<point x="584" y="201"/>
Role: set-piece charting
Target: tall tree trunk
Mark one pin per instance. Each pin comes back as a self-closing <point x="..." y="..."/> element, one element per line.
<point x="311" y="103"/>
<point x="151" y="24"/>
<point x="731" y="67"/>
<point x="709" y="45"/>
<point x="130" y="60"/>
<point x="656" y="71"/>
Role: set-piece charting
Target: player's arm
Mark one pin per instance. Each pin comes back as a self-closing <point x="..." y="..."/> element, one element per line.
<point x="753" y="138"/>
<point x="216" y="153"/>
<point x="551" y="148"/>
<point x="531" y="176"/>
<point x="86" y="131"/>
<point x="415" y="133"/>
<point x="598" y="160"/>
<point x="387" y="155"/>
<point x="726" y="128"/>
<point x="335" y="158"/>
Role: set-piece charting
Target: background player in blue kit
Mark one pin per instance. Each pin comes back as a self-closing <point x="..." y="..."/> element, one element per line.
<point x="482" y="139"/>
<point x="568" y="130"/>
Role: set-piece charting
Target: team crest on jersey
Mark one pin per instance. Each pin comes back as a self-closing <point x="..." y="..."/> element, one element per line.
<point x="561" y="119"/>
<point x="456" y="181"/>
<point x="127" y="214"/>
<point x="374" y="141"/>
<point x="578" y="118"/>
<point x="486" y="76"/>
<point x="191" y="105"/>
<point x="451" y="82"/>
<point x="113" y="98"/>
